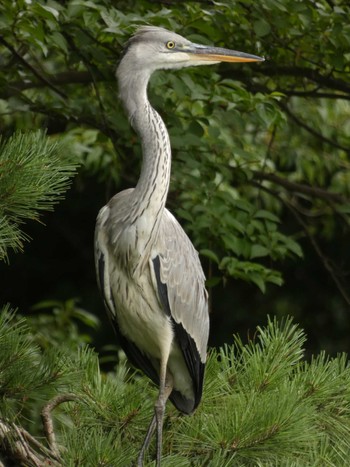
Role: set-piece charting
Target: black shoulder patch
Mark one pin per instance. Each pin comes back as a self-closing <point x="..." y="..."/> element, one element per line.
<point x="135" y="356"/>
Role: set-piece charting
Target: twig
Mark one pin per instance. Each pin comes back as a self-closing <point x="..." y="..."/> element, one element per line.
<point x="312" y="94"/>
<point x="30" y="67"/>
<point x="26" y="448"/>
<point x="84" y="77"/>
<point x="294" y="187"/>
<point x="30" y="439"/>
<point x="46" y="416"/>
<point x="310" y="130"/>
<point x="325" y="261"/>
<point x="309" y="73"/>
<point x="17" y="442"/>
<point x="23" y="448"/>
<point x="327" y="264"/>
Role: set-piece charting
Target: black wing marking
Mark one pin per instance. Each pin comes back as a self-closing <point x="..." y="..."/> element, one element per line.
<point x="100" y="271"/>
<point x="142" y="362"/>
<point x="136" y="357"/>
<point x="188" y="348"/>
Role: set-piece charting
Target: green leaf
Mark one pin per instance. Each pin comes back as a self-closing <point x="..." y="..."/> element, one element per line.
<point x="258" y="251"/>
<point x="263" y="214"/>
<point x="86" y="317"/>
<point x="46" y="11"/>
<point x="258" y="280"/>
<point x="294" y="247"/>
<point x="213" y="281"/>
<point x="261" y="27"/>
<point x="210" y="254"/>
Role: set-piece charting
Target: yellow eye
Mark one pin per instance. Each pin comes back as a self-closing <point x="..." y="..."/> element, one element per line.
<point x="170" y="44"/>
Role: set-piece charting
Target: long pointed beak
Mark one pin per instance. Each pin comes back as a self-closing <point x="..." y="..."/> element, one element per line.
<point x="219" y="54"/>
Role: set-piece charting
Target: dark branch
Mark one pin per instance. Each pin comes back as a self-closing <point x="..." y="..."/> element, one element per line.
<point x="35" y="72"/>
<point x="313" y="132"/>
<point x="326" y="262"/>
<point x="22" y="448"/>
<point x="46" y="415"/>
<point x="313" y="192"/>
<point x="88" y="120"/>
<point x="60" y="79"/>
<point x="313" y="75"/>
<point x="313" y="94"/>
<point x="84" y="77"/>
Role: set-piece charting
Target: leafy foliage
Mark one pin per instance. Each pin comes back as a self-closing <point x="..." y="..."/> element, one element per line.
<point x="251" y="143"/>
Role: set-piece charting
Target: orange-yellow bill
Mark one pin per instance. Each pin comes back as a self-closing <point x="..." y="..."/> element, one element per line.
<point x="219" y="54"/>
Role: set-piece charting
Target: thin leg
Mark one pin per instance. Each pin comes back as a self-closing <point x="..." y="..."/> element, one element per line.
<point x="165" y="388"/>
<point x="147" y="440"/>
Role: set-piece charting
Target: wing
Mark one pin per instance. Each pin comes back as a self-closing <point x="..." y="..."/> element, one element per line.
<point x="102" y="256"/>
<point x="179" y="279"/>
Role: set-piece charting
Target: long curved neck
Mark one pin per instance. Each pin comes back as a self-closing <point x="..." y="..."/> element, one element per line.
<point x="152" y="187"/>
<point x="150" y="194"/>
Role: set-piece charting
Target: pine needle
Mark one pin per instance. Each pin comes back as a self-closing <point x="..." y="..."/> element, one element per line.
<point x="35" y="172"/>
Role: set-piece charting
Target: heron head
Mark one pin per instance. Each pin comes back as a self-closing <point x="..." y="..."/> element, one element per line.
<point x="152" y="48"/>
<point x="155" y="48"/>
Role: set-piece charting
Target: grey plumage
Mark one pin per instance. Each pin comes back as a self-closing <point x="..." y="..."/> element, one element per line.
<point x="149" y="273"/>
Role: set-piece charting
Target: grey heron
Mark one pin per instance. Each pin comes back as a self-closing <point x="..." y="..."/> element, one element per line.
<point x="148" y="271"/>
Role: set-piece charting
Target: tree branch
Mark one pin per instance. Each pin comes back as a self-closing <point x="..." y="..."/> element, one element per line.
<point x="84" y="77"/>
<point x="22" y="447"/>
<point x="35" y="72"/>
<point x="294" y="187"/>
<point x="313" y="132"/>
<point x="311" y="74"/>
<point x="313" y="94"/>
<point x="60" y="79"/>
<point x="46" y="416"/>
<point x="326" y="262"/>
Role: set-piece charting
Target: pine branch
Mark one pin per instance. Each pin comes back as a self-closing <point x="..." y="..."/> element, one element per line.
<point x="35" y="172"/>
<point x="263" y="404"/>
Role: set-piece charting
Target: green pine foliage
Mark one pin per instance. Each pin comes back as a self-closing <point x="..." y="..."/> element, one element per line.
<point x="35" y="171"/>
<point x="263" y="404"/>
